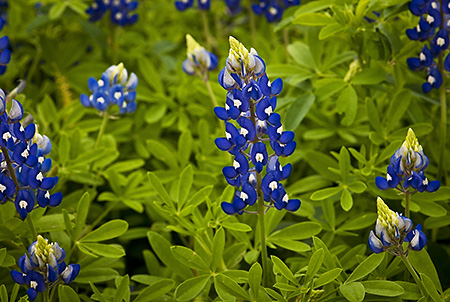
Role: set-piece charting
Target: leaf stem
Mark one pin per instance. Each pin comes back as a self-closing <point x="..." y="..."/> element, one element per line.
<point x="101" y="131"/>
<point x="407" y="197"/>
<point x="413" y="273"/>
<point x="262" y="233"/>
<point x="211" y="93"/>
<point x="46" y="294"/>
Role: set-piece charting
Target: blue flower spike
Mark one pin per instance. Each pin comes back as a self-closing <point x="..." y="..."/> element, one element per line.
<point x="251" y="129"/>
<point x="114" y="87"/>
<point x="43" y="268"/>
<point x="24" y="163"/>
<point x="199" y="61"/>
<point x="391" y="230"/>
<point x="407" y="169"/>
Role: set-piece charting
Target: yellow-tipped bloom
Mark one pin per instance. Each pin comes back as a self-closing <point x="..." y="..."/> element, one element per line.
<point x="244" y="62"/>
<point x="411" y="152"/>
<point x="199" y="61"/>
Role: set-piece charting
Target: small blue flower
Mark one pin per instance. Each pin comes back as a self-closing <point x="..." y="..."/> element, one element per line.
<point x="46" y="259"/>
<point x="199" y="61"/>
<point x="113" y="88"/>
<point x="121" y="11"/>
<point x="391" y="230"/>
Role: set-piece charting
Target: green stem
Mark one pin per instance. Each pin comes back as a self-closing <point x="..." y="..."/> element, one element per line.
<point x="10" y="168"/>
<point x="407" y="197"/>
<point x="103" y="215"/>
<point x="54" y="290"/>
<point x="101" y="131"/>
<point x="211" y="93"/>
<point x="413" y="273"/>
<point x="208" y="36"/>
<point x="443" y="100"/>
<point x="32" y="228"/>
<point x="113" y="43"/>
<point x="262" y="233"/>
<point x="46" y="294"/>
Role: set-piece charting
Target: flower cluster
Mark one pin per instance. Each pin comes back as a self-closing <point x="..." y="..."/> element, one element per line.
<point x="407" y="168"/>
<point x="5" y="53"/>
<point x="114" y="87"/>
<point x="433" y="27"/>
<point x="392" y="229"/>
<point x="23" y="163"/>
<point x="182" y="5"/>
<point x="273" y="9"/>
<point x="249" y="123"/>
<point x="44" y="267"/>
<point x="121" y="11"/>
<point x="199" y="61"/>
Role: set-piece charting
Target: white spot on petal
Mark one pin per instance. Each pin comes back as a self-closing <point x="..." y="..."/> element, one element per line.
<point x="39" y="177"/>
<point x="244" y="196"/>
<point x="23" y="204"/>
<point x="273" y="185"/>
<point x="236" y="164"/>
<point x="259" y="157"/>
<point x="47" y="195"/>
<point x="2" y="188"/>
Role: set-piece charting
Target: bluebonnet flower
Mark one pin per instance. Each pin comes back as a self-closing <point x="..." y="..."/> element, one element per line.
<point x="392" y="229"/>
<point x="23" y="162"/>
<point x="234" y="6"/>
<point x="182" y="5"/>
<point x="113" y="88"/>
<point x="433" y="27"/>
<point x="273" y="9"/>
<point x="43" y="267"/>
<point x="121" y="11"/>
<point x="250" y="123"/>
<point x="5" y="53"/>
<point x="199" y="61"/>
<point x="407" y="168"/>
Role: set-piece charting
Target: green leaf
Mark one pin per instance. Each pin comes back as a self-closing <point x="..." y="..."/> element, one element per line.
<point x="298" y="111"/>
<point x="155" y="113"/>
<point x="383" y="288"/>
<point x="313" y="19"/>
<point x="162" y="152"/>
<point x="412" y="291"/>
<point x="188" y="257"/>
<point x="314" y="264"/>
<point x="96" y="274"/>
<point x="158" y="186"/>
<point x="301" y="53"/>
<point x="68" y="225"/>
<point x="298" y="231"/>
<point x="66" y="293"/>
<point x="64" y="149"/>
<point x="325" y="193"/>
<point x="366" y="267"/>
<point x="398" y="106"/>
<point x="82" y="212"/>
<point x="185" y="143"/>
<point x="325" y="88"/>
<point x="357" y="187"/>
<point x="109" y="230"/>
<point x="191" y="288"/>
<point x="57" y="10"/>
<point x="161" y="247"/>
<point x="283" y="269"/>
<point x="347" y="103"/>
<point x="330" y="30"/>
<point x="346" y="200"/>
<point x="150" y="74"/>
<point x="3" y="293"/>
<point x="217" y="248"/>
<point x="432" y="209"/>
<point x="237" y="226"/>
<point x="295" y="246"/>
<point x="254" y="278"/>
<point x="321" y="164"/>
<point x="369" y="76"/>
<point x="353" y="292"/>
<point x="105" y="250"/>
<point x="374" y="118"/>
<point x="126" y="165"/>
<point x="155" y="290"/>
<point x="362" y="221"/>
<point x="437" y="222"/>
<point x="423" y="264"/>
<point x="123" y="290"/>
<point x="327" y="277"/>
<point x="200" y="196"/>
<point x="344" y="164"/>
<point x="97" y="293"/>
<point x="430" y="288"/>
<point x="184" y="184"/>
<point x="230" y="286"/>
